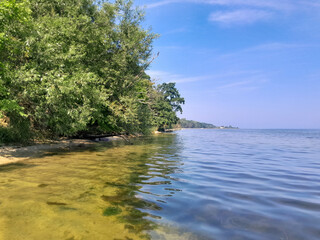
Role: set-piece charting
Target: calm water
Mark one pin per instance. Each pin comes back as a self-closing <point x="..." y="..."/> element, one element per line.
<point x="195" y="184"/>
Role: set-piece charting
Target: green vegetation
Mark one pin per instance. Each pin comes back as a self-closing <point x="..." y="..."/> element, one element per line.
<point x="184" y="123"/>
<point x="167" y="102"/>
<point x="110" y="211"/>
<point x="73" y="67"/>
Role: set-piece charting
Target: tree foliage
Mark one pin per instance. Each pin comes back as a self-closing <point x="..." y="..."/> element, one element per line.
<point x="14" y="18"/>
<point x="184" y="123"/>
<point x="167" y="104"/>
<point x="71" y="67"/>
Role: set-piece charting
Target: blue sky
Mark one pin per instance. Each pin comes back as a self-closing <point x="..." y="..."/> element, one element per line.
<point x="248" y="63"/>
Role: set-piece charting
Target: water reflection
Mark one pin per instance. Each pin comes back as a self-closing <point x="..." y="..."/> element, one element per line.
<point x="109" y="192"/>
<point x="153" y="167"/>
<point x="198" y="184"/>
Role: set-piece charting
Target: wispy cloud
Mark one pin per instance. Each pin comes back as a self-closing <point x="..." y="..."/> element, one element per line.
<point x="242" y="83"/>
<point x="225" y="80"/>
<point x="177" y="78"/>
<point x="160" y="3"/>
<point x="235" y="84"/>
<point x="276" y="46"/>
<point x="314" y="3"/>
<point x="243" y="16"/>
<point x="269" y="47"/>
<point x="247" y="11"/>
<point x="273" y="4"/>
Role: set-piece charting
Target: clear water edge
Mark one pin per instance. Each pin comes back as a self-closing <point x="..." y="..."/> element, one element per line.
<point x="195" y="184"/>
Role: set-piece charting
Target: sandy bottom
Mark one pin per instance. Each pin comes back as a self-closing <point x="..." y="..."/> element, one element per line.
<point x="13" y="154"/>
<point x="79" y="195"/>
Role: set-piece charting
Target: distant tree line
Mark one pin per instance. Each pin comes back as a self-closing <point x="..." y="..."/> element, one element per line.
<point x="72" y="67"/>
<point x="184" y="123"/>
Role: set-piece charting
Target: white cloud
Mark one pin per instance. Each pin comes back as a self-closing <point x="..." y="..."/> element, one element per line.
<point x="269" y="47"/>
<point x="160" y="3"/>
<point x="177" y="78"/>
<point x="248" y="11"/>
<point x="311" y="3"/>
<point x="229" y="82"/>
<point x="243" y="16"/>
<point x="235" y="84"/>
<point x="275" y="46"/>
<point x="249" y="81"/>
<point x="161" y="75"/>
<point x="272" y="4"/>
<point x="228" y="79"/>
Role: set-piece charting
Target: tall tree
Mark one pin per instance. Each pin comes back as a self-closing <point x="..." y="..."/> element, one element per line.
<point x="81" y="74"/>
<point x="70" y="67"/>
<point x="168" y="103"/>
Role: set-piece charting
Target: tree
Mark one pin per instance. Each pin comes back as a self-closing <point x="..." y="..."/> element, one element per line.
<point x="167" y="104"/>
<point x="14" y="29"/>
<point x="82" y="68"/>
<point x="73" y="67"/>
<point x="14" y="18"/>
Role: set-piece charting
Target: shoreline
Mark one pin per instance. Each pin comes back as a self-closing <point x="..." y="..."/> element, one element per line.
<point x="14" y="154"/>
<point x="10" y="154"/>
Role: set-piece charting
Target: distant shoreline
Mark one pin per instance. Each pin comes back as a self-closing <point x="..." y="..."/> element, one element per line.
<point x="218" y="128"/>
<point x="184" y="123"/>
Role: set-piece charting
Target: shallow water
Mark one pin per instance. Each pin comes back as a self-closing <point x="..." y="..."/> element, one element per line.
<point x="195" y="184"/>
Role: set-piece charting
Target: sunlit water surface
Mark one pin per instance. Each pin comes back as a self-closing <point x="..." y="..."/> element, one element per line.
<point x="195" y="184"/>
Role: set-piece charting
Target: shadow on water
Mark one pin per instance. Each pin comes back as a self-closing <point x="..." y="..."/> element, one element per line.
<point x="149" y="168"/>
<point x="15" y="166"/>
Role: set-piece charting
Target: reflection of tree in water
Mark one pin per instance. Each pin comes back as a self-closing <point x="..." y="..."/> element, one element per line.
<point x="151" y="175"/>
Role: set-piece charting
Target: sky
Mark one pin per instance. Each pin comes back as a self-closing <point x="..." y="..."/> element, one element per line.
<point x="245" y="63"/>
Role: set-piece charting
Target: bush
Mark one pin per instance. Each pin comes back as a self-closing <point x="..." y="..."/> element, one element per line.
<point x="18" y="133"/>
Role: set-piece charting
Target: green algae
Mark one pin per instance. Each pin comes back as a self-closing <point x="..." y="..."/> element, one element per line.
<point x="110" y="211"/>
